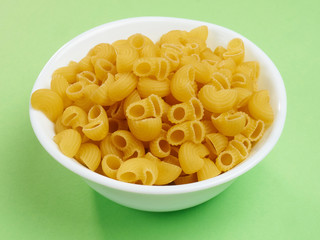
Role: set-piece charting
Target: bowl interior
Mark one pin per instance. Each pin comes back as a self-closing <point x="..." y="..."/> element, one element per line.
<point x="154" y="27"/>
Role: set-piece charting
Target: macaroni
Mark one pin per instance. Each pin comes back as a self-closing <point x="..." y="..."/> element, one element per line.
<point x="157" y="113"/>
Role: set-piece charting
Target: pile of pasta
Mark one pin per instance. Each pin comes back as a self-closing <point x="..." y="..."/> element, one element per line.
<point x="170" y="112"/>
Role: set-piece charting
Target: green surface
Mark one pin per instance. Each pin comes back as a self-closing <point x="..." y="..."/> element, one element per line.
<point x="278" y="199"/>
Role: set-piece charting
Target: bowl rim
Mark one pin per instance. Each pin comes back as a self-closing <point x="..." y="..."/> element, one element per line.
<point x="232" y="174"/>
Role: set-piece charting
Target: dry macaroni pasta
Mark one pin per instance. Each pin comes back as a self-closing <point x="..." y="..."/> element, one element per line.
<point x="157" y="113"/>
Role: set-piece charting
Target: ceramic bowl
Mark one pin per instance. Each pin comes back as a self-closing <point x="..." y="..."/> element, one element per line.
<point x="160" y="198"/>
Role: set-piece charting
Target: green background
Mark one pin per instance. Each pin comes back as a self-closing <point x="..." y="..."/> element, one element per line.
<point x="278" y="199"/>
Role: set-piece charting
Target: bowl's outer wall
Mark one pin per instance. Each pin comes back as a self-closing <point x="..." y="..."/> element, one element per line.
<point x="159" y="203"/>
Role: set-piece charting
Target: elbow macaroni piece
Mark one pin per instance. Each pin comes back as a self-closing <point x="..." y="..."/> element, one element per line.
<point x="167" y="173"/>
<point x="107" y="147"/>
<point x="110" y="164"/>
<point x="146" y="129"/>
<point x="138" y="170"/>
<point x="74" y="117"/>
<point x="89" y="155"/>
<point x="228" y="123"/>
<point x="181" y="85"/>
<point x="260" y="108"/>
<point x="123" y="85"/>
<point x="209" y="170"/>
<point x="69" y="142"/>
<point x="187" y="131"/>
<point x="151" y="106"/>
<point x="159" y="146"/>
<point x="47" y="101"/>
<point x="147" y="86"/>
<point x="59" y="84"/>
<point x="191" y="110"/>
<point x="191" y="157"/>
<point x="100" y="95"/>
<point x="157" y="113"/>
<point x="126" y="142"/>
<point x="217" y="101"/>
<point x="126" y="56"/>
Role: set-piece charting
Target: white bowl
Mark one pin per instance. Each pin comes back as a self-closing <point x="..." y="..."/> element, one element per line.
<point x="160" y="198"/>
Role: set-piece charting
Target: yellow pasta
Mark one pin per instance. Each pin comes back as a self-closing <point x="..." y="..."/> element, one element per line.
<point x="97" y="112"/>
<point x="187" y="131"/>
<point x="202" y="72"/>
<point x="260" y="108"/>
<point x="96" y="130"/>
<point x="159" y="146"/>
<point x="170" y="112"/>
<point x="178" y="48"/>
<point x="199" y="32"/>
<point x="139" y="41"/>
<point x="103" y="50"/>
<point x="150" y="50"/>
<point x="89" y="155"/>
<point x="189" y="178"/>
<point x="126" y="56"/>
<point x="47" y="101"/>
<point x="172" y="57"/>
<point x="116" y="111"/>
<point x="217" y="101"/>
<point x="151" y="106"/>
<point x="84" y="100"/>
<point x="216" y="142"/>
<point x="229" y="123"/>
<point x="123" y="85"/>
<point x="242" y="80"/>
<point x="138" y="170"/>
<point x="239" y="149"/>
<point x="146" y="129"/>
<point x="226" y="160"/>
<point x="58" y="126"/>
<point x="252" y="68"/>
<point x="87" y="77"/>
<point x="209" y="170"/>
<point x="208" y="54"/>
<point x="219" y="51"/>
<point x="179" y="113"/>
<point x="253" y="129"/>
<point x="110" y="164"/>
<point x="69" y="142"/>
<point x="145" y="67"/>
<point x="100" y="95"/>
<point x="191" y="156"/>
<point x="147" y="86"/>
<point x="167" y="173"/>
<point x="76" y="91"/>
<point x="244" y="140"/>
<point x="59" y="84"/>
<point x="69" y="72"/>
<point x="74" y="117"/>
<point x="102" y="68"/>
<point x="85" y="64"/>
<point x="191" y="110"/>
<point x="243" y="96"/>
<point x="133" y="97"/>
<point x="182" y="83"/>
<point x="235" y="50"/>
<point x="221" y="79"/>
<point x="152" y="67"/>
<point x="173" y="37"/>
<point x="126" y="142"/>
<point x="106" y="147"/>
<point x="227" y="64"/>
